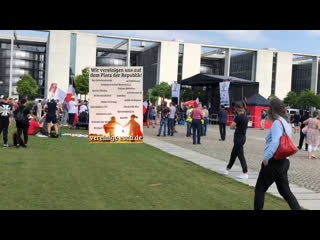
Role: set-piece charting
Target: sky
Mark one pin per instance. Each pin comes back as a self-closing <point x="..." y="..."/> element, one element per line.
<point x="299" y="41"/>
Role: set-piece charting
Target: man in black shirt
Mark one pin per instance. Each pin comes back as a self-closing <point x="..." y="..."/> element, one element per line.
<point x="240" y="125"/>
<point x="5" y="113"/>
<point x="51" y="117"/>
<point x="223" y="117"/>
<point x="303" y="118"/>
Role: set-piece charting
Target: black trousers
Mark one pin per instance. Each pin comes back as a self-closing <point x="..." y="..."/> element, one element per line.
<point x="302" y="136"/>
<point x="276" y="171"/>
<point x="170" y="126"/>
<point x="196" y="128"/>
<point x="222" y="128"/>
<point x="23" y="130"/>
<point x="237" y="151"/>
<point x="4" y="124"/>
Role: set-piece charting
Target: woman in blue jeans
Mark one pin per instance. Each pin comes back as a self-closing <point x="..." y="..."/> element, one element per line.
<point x="273" y="170"/>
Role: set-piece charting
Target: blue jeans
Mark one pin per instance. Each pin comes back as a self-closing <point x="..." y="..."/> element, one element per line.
<point x="204" y="127"/>
<point x="170" y="126"/>
<point x="189" y="124"/>
<point x="163" y="121"/>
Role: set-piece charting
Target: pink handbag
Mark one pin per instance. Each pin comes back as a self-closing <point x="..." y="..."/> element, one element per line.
<point x="305" y="130"/>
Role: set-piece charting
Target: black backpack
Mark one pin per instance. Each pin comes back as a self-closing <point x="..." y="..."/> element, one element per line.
<point x="20" y="118"/>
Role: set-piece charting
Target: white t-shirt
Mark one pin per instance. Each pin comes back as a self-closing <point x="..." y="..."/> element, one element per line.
<point x="83" y="108"/>
<point x="72" y="107"/>
<point x="172" y="112"/>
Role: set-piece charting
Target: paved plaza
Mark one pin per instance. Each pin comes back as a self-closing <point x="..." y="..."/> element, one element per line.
<point x="303" y="173"/>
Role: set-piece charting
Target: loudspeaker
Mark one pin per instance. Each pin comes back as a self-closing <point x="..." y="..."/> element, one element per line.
<point x="175" y="100"/>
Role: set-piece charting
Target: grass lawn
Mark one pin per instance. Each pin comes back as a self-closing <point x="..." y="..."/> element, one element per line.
<point x="70" y="173"/>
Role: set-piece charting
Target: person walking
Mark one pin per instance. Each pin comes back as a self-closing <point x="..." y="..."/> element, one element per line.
<point x="273" y="170"/>
<point x="5" y="114"/>
<point x="197" y="116"/>
<point x="171" y="118"/>
<point x="64" y="113"/>
<point x="164" y="119"/>
<point x="296" y="121"/>
<point x="189" y="120"/>
<point x="263" y="118"/>
<point x="153" y="116"/>
<point x="205" y="121"/>
<point x="302" y="135"/>
<point x="222" y="116"/>
<point x="72" y="110"/>
<point x="313" y="134"/>
<point x="240" y="125"/>
<point x="22" y="122"/>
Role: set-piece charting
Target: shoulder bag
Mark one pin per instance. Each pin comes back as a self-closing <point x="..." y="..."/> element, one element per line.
<point x="286" y="147"/>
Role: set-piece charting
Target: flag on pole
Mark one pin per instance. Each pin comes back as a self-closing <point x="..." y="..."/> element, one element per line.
<point x="72" y="92"/>
<point x="145" y="113"/>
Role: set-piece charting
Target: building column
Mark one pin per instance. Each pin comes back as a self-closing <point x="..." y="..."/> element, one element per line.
<point x="227" y="62"/>
<point x="314" y="74"/>
<point x="128" y="52"/>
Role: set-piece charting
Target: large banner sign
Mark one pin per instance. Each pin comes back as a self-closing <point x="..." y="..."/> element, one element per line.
<point x="116" y="102"/>
<point x="176" y="91"/>
<point x="224" y="94"/>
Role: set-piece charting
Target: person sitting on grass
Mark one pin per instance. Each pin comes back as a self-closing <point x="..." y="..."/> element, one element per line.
<point x="35" y="127"/>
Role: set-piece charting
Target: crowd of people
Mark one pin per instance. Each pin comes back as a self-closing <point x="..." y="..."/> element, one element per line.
<point x="271" y="170"/>
<point x="43" y="118"/>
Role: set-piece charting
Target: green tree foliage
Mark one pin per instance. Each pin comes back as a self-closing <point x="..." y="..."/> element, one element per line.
<point x="82" y="82"/>
<point x="162" y="89"/>
<point x="291" y="99"/>
<point x="27" y="86"/>
<point x="186" y="95"/>
<point x="308" y="99"/>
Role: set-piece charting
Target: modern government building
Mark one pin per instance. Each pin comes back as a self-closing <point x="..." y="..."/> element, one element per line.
<point x="62" y="54"/>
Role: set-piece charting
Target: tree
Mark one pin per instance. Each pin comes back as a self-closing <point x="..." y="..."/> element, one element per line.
<point x="82" y="82"/>
<point x="307" y="99"/>
<point x="291" y="99"/>
<point x="27" y="86"/>
<point x="162" y="89"/>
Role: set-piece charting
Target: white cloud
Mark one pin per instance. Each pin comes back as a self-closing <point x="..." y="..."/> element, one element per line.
<point x="161" y="35"/>
<point x="314" y="32"/>
<point x="243" y="35"/>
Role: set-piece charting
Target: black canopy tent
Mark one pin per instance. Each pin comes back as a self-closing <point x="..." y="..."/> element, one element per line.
<point x="239" y="88"/>
<point x="257" y="100"/>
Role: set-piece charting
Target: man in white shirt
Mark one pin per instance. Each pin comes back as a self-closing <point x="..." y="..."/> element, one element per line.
<point x="172" y="114"/>
<point x="72" y="110"/>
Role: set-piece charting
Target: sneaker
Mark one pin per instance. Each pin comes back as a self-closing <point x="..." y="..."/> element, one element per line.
<point x="243" y="176"/>
<point x="5" y="145"/>
<point x="158" y="135"/>
<point x="224" y="171"/>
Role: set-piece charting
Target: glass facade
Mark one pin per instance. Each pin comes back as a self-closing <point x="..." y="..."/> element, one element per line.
<point x="301" y="77"/>
<point x="27" y="59"/>
<point x="147" y="58"/>
<point x="180" y="62"/>
<point x="274" y="70"/>
<point x="73" y="49"/>
<point x="241" y="65"/>
<point x="212" y="66"/>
